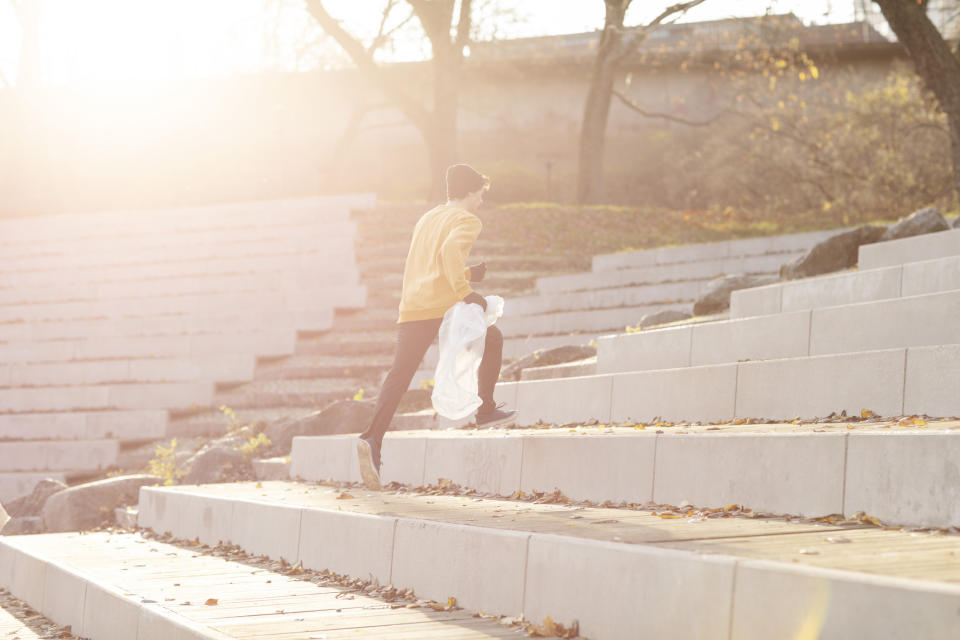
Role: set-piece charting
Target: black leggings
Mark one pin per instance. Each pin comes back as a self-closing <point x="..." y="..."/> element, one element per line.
<point x="413" y="340"/>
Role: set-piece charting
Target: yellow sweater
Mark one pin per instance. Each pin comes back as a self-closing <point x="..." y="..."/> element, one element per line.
<point x="435" y="276"/>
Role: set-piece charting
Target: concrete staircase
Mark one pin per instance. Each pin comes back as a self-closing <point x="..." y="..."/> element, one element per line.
<point x="111" y="322"/>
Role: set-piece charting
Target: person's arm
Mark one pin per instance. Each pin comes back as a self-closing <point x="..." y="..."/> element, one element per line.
<point x="454" y="252"/>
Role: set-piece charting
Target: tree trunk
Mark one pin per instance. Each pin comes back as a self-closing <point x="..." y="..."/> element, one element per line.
<point x="597" y="109"/>
<point x="935" y="63"/>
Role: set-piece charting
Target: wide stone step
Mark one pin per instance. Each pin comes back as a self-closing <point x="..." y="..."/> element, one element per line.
<point x="338" y="261"/>
<point x="159" y="395"/>
<point x="181" y="219"/>
<point x="15" y="484"/>
<point x="899" y="474"/>
<point x="886" y="324"/>
<point x="218" y="367"/>
<point x="893" y="382"/>
<point x="318" y="366"/>
<point x="85" y="425"/>
<point x="701" y="270"/>
<point x="374" y="342"/>
<point x="118" y="586"/>
<point x="589" y="321"/>
<point x="316" y="393"/>
<point x="517" y="347"/>
<point x="910" y="279"/>
<point x="906" y="250"/>
<point x="711" y="250"/>
<point x="58" y="455"/>
<point x="315" y="319"/>
<point x="628" y="296"/>
<point x="288" y="281"/>
<point x="194" y="346"/>
<point x="206" y="304"/>
<point x="613" y="570"/>
<point x="216" y="422"/>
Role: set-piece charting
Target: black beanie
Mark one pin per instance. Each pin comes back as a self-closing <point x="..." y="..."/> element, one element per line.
<point x="463" y="179"/>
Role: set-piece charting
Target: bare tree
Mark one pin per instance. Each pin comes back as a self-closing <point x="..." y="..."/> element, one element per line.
<point x="449" y="34"/>
<point x="28" y="74"/>
<point x="611" y="52"/>
<point x="935" y="63"/>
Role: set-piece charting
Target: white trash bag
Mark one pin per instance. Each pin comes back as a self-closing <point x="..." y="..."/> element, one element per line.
<point x="463" y="334"/>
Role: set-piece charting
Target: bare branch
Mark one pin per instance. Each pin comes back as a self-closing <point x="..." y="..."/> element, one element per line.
<point x="666" y="116"/>
<point x="640" y="33"/>
<point x="464" y="25"/>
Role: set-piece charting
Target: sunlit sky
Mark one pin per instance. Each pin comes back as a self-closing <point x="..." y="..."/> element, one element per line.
<point x="150" y="43"/>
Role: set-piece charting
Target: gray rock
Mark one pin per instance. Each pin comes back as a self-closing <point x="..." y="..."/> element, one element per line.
<point x="23" y="525"/>
<point x="663" y="317"/>
<point x="547" y="357"/>
<point x="716" y="297"/>
<point x="217" y="463"/>
<point x="927" y="220"/>
<point x="90" y="505"/>
<point x="956" y="222"/>
<point x="126" y="517"/>
<point x="32" y="503"/>
<point x="345" y="416"/>
<point x="833" y="254"/>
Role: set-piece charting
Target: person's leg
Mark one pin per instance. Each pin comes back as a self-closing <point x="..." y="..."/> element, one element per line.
<point x="413" y="340"/>
<point x="489" y="371"/>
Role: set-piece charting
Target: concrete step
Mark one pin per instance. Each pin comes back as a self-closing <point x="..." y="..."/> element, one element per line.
<point x="910" y="279"/>
<point x="272" y="468"/>
<point x="194" y="347"/>
<point x="58" y="455"/>
<point x="181" y="219"/>
<point x="313" y="366"/>
<point x="712" y="250"/>
<point x="589" y="321"/>
<point x="212" y="421"/>
<point x="288" y="282"/>
<point x="15" y="484"/>
<point x="868" y="326"/>
<point x="218" y="367"/>
<point x="893" y="382"/>
<point x="621" y="569"/>
<point x="658" y="274"/>
<point x="309" y="392"/>
<point x="373" y="342"/>
<point x="905" y="250"/>
<point x="585" y="367"/>
<point x="317" y="318"/>
<point x="85" y="425"/>
<point x="627" y="296"/>
<point x="898" y="474"/>
<point x="338" y="261"/>
<point x="118" y="586"/>
<point x="517" y="347"/>
<point x="160" y="395"/>
<point x="205" y="304"/>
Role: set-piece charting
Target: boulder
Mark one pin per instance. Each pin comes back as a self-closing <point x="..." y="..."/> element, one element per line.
<point x="32" y="503"/>
<point x="956" y="222"/>
<point x="344" y="416"/>
<point x="716" y="297"/>
<point x="23" y="525"/>
<point x="663" y="317"/>
<point x="218" y="463"/>
<point x="547" y="357"/>
<point x="833" y="254"/>
<point x="415" y="400"/>
<point x="927" y="220"/>
<point x="90" y="505"/>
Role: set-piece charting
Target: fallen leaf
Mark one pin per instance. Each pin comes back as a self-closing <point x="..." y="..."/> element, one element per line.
<point x="211" y="602"/>
<point x="837" y="540"/>
<point x="344" y="496"/>
<point x="866" y="413"/>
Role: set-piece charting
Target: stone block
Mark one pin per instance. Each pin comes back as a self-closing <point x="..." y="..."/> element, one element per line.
<point x="108" y="613"/>
<point x="784" y="335"/>
<point x="315" y="458"/>
<point x="704" y="394"/>
<point x="27" y="577"/>
<point x="586" y="367"/>
<point x="904" y="478"/>
<point x="758" y="301"/>
<point x="355" y="544"/>
<point x="836" y="605"/>
<point x="624" y="590"/>
<point x="574" y="321"/>
<point x="886" y="324"/>
<point x="778" y="473"/>
<point x="66" y="455"/>
<point x="621" y="469"/>
<point x="918" y="248"/>
<point x="26" y="399"/>
<point x="846" y="288"/>
<point x="403" y="459"/>
<point x="202" y="517"/>
<point x="627" y="296"/>
<point x="818" y="386"/>
<point x="63" y="596"/>
<point x="931" y="276"/>
<point x="17" y="484"/>
<point x="270" y="529"/>
<point x="666" y="348"/>
<point x="564" y="400"/>
<point x="933" y="381"/>
<point x="161" y="395"/>
<point x="490" y="464"/>
<point x="482" y="568"/>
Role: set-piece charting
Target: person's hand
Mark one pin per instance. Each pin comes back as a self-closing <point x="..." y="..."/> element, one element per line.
<point x="475" y="298"/>
<point x="478" y="271"/>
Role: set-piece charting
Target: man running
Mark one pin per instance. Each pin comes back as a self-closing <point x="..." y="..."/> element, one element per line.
<point x="435" y="278"/>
